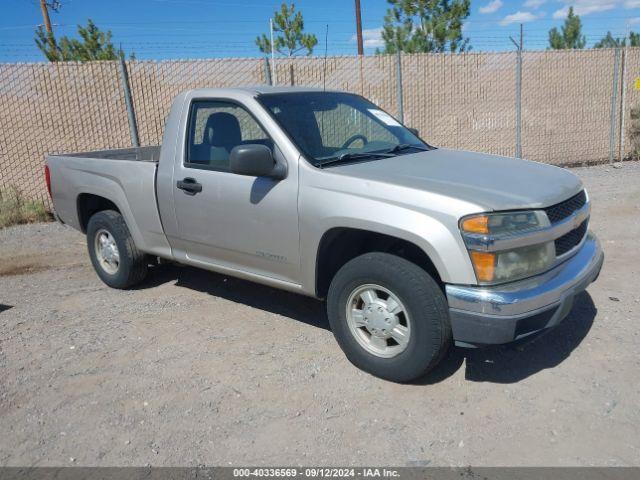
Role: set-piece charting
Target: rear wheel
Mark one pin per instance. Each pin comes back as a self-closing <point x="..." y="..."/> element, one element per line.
<point x="114" y="255"/>
<point x="389" y="316"/>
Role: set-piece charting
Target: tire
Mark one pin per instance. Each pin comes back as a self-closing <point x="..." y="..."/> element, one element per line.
<point x="131" y="266"/>
<point x="424" y="316"/>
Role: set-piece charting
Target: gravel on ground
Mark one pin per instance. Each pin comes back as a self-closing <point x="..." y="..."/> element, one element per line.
<point x="196" y="368"/>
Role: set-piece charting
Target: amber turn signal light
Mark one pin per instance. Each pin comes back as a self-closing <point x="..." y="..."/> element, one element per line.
<point x="479" y="224"/>
<point x="484" y="263"/>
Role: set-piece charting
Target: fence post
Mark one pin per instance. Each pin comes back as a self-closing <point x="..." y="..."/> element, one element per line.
<point x="623" y="98"/>
<point x="519" y="105"/>
<point x="361" y="78"/>
<point x="518" y="93"/>
<point x="614" y="95"/>
<point x="267" y="71"/>
<point x="133" y="125"/>
<point x="399" y="86"/>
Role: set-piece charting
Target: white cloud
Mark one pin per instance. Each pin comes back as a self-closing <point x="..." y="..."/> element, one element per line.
<point x="634" y="21"/>
<point x="632" y="4"/>
<point x="561" y="14"/>
<point x="518" y="17"/>
<point x="534" y="3"/>
<point x="491" y="7"/>
<point x="371" y="38"/>
<point x="586" y="7"/>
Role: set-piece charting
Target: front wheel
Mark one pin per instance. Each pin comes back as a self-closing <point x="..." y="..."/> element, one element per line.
<point x="114" y="255"/>
<point x="389" y="316"/>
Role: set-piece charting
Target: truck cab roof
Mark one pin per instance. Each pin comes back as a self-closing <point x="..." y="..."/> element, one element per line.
<point x="254" y="90"/>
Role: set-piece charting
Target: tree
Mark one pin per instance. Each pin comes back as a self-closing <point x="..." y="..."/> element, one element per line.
<point x="94" y="44"/>
<point x="291" y="39"/>
<point x="570" y="35"/>
<point x="608" y="41"/>
<point x="425" y="26"/>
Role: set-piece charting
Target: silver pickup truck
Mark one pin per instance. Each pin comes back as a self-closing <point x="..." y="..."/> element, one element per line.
<point x="325" y="194"/>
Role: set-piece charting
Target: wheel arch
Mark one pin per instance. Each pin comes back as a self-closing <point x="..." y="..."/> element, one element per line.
<point x="338" y="245"/>
<point x="88" y="204"/>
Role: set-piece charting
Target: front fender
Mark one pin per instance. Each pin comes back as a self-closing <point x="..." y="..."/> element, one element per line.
<point x="437" y="235"/>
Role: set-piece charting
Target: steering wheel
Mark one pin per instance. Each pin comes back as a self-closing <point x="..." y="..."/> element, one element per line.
<point x="352" y="139"/>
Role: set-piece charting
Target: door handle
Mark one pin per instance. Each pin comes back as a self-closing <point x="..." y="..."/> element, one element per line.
<point x="189" y="186"/>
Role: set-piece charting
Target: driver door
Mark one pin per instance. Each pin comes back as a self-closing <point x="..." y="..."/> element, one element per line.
<point x="238" y="222"/>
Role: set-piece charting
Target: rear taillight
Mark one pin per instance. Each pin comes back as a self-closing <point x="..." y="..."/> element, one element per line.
<point x="47" y="178"/>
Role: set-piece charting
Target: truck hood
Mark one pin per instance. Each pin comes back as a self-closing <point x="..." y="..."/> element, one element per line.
<point x="490" y="181"/>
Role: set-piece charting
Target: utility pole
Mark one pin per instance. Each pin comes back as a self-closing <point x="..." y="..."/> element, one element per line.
<point x="45" y="15"/>
<point x="47" y="22"/>
<point x="359" y="28"/>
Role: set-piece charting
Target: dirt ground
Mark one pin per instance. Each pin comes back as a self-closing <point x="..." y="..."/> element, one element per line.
<point x="196" y="368"/>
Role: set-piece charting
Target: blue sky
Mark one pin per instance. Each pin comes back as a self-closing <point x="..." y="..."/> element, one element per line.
<point x="161" y="29"/>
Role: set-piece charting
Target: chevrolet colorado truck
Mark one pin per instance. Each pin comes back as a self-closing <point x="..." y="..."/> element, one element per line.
<point x="325" y="194"/>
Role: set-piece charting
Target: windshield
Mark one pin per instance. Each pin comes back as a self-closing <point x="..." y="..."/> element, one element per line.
<point x="330" y="125"/>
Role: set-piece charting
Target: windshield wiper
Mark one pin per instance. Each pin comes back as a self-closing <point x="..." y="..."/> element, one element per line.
<point x="345" y="157"/>
<point x="405" y="146"/>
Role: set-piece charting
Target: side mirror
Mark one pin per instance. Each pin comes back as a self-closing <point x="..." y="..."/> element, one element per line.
<point x="254" y="160"/>
<point x="414" y="131"/>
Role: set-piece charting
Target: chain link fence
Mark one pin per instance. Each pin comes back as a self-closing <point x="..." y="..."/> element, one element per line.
<point x="575" y="104"/>
<point x="566" y="116"/>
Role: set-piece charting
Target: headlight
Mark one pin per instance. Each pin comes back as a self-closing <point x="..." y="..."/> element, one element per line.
<point x="492" y="265"/>
<point x="498" y="267"/>
<point x="504" y="223"/>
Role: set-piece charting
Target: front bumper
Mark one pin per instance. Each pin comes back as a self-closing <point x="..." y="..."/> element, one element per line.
<point x="504" y="313"/>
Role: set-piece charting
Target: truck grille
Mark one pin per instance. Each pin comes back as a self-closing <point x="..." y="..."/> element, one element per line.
<point x="571" y="239"/>
<point x="565" y="209"/>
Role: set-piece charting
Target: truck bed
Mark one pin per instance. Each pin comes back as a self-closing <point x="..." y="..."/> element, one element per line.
<point x="140" y="154"/>
<point x="125" y="177"/>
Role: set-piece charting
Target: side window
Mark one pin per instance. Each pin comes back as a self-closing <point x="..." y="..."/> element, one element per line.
<point x="214" y="129"/>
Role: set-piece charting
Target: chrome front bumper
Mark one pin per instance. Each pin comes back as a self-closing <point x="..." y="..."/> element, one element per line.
<point x="500" y="314"/>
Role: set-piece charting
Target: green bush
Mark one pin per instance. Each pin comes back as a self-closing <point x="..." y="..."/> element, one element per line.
<point x="15" y="209"/>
